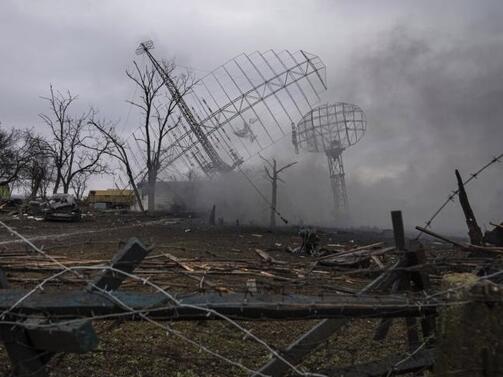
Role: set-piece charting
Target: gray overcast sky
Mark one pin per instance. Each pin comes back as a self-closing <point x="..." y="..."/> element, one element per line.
<point x="428" y="73"/>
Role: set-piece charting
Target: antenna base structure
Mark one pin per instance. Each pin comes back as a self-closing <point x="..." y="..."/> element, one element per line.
<point x="338" y="183"/>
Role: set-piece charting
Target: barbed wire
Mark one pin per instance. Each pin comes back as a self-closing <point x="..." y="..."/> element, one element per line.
<point x="159" y="289"/>
<point x="454" y="193"/>
<point x="172" y="300"/>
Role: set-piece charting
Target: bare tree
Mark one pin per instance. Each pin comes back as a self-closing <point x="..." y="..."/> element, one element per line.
<point x="119" y="150"/>
<point x="14" y="155"/>
<point x="159" y="116"/>
<point x="273" y="176"/>
<point x="75" y="150"/>
<point x="79" y="184"/>
<point x="38" y="172"/>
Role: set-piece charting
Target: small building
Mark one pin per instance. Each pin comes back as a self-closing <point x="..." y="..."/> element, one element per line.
<point x="111" y="198"/>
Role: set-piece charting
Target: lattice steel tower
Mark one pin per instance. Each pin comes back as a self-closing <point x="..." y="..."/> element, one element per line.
<point x="331" y="129"/>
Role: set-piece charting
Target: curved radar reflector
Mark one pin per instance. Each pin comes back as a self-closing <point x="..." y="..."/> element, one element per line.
<point x="245" y="106"/>
<point x="338" y="125"/>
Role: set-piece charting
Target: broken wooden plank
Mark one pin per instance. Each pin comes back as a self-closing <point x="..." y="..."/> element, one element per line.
<point x="442" y="238"/>
<point x="474" y="231"/>
<point x="268" y="258"/>
<point x="466" y="247"/>
<point x="185" y="266"/>
<point x="302" y="346"/>
<point x="363" y="249"/>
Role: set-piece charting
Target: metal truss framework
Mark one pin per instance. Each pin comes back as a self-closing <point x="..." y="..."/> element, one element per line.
<point x="215" y="162"/>
<point x="331" y="129"/>
<point x="338" y="183"/>
<point x="240" y="108"/>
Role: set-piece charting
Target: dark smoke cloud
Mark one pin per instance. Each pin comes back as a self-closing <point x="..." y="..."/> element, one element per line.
<point x="433" y="104"/>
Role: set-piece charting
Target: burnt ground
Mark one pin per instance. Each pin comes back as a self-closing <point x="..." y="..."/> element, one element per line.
<point x="189" y="256"/>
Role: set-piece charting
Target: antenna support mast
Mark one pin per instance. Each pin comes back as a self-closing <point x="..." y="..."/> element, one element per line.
<point x="216" y="163"/>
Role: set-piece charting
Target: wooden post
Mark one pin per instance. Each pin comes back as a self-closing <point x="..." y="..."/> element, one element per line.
<point x="470" y="334"/>
<point x="127" y="259"/>
<point x="412" y="255"/>
<point x="274" y="177"/>
<point x="211" y="220"/>
<point x="399" y="236"/>
<point x="398" y="230"/>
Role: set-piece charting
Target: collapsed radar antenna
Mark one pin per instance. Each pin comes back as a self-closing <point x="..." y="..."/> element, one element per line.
<point x="331" y="129"/>
<point x="240" y="108"/>
<point x="216" y="164"/>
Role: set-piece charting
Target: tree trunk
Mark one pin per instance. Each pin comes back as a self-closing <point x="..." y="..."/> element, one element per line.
<point x="56" y="184"/>
<point x="35" y="187"/>
<point x="138" y="197"/>
<point x="151" y="192"/>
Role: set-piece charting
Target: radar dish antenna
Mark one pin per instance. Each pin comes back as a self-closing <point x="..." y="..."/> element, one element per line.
<point x="331" y="129"/>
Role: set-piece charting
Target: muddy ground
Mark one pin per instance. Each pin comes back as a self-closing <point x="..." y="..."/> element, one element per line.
<point x="189" y="256"/>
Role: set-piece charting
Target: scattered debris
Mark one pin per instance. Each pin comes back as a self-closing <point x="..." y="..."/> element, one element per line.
<point x="310" y="243"/>
<point x="251" y="285"/>
<point x="61" y="207"/>
<point x="267" y="258"/>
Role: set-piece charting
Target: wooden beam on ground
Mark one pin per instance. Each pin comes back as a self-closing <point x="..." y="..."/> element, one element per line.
<point x="302" y="346"/>
<point x="442" y="238"/>
<point x="236" y="305"/>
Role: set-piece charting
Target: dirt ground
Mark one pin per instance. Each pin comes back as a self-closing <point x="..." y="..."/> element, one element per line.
<point x="189" y="256"/>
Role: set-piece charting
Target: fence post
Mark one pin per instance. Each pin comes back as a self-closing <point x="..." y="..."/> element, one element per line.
<point x="411" y="254"/>
<point x="469" y="342"/>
